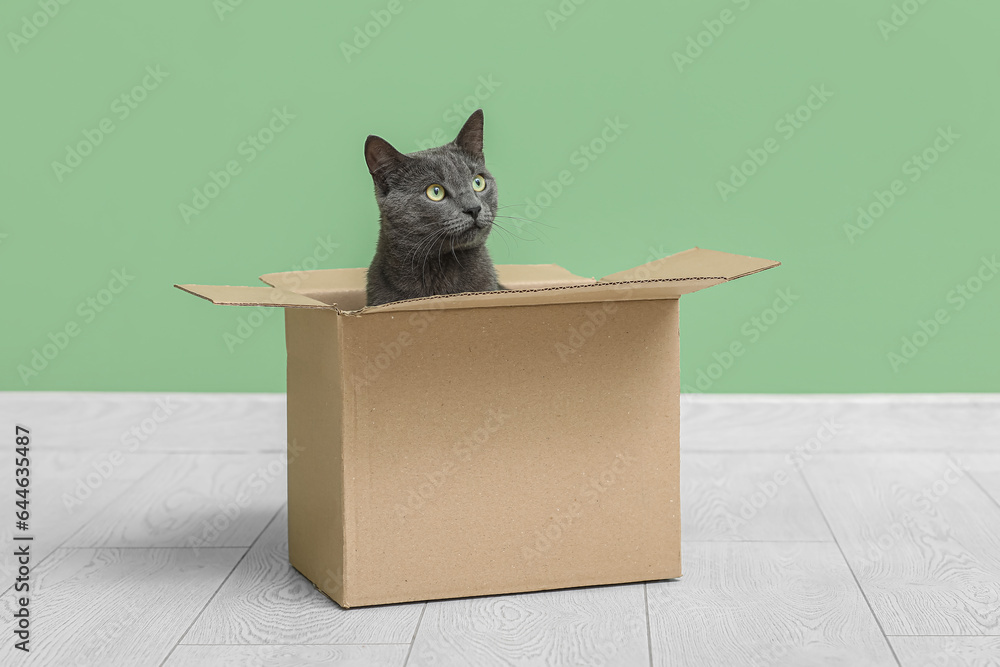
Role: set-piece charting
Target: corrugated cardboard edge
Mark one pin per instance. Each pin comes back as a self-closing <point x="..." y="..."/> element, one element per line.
<point x="601" y="289"/>
<point x="687" y="271"/>
<point x="722" y="267"/>
<point x="316" y="527"/>
<point x="242" y="295"/>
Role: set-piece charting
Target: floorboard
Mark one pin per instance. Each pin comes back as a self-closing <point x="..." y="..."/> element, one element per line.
<point x="114" y="607"/>
<point x="947" y="651"/>
<point x="275" y="655"/>
<point x="763" y="603"/>
<point x="747" y="497"/>
<point x="584" y="626"/>
<point x="266" y="601"/>
<point x="909" y="422"/>
<point x="68" y="489"/>
<point x="818" y="530"/>
<point x="193" y="500"/>
<point x="159" y="422"/>
<point x="921" y="537"/>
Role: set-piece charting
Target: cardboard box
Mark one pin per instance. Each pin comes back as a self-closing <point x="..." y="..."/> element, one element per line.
<point x="487" y="443"/>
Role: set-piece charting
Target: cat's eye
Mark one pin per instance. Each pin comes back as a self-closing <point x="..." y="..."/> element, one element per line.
<point x="435" y="192"/>
<point x="479" y="183"/>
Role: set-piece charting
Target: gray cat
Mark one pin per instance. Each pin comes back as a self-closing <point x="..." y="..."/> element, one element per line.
<point x="436" y="209"/>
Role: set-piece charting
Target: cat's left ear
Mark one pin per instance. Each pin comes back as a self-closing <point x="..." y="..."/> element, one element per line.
<point x="381" y="158"/>
<point x="470" y="137"/>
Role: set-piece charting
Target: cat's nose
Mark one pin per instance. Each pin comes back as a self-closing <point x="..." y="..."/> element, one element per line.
<point x="474" y="211"/>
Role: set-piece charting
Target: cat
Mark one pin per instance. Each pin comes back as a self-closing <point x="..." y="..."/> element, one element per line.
<point x="436" y="211"/>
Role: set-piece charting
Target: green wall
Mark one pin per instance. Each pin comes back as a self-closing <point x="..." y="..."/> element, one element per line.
<point x="882" y="94"/>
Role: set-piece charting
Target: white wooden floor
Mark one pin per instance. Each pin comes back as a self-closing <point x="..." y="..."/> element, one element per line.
<point x="818" y="531"/>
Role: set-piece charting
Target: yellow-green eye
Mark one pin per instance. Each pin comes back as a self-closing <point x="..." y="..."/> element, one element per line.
<point x="435" y="192"/>
<point x="479" y="183"/>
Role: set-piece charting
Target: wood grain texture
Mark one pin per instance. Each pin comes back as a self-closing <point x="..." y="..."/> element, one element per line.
<point x="266" y="601"/>
<point x="922" y="538"/>
<point x="165" y="422"/>
<point x="379" y="655"/>
<point x="763" y="603"/>
<point x="106" y="607"/>
<point x="984" y="469"/>
<point x="747" y="497"/>
<point x="193" y="500"/>
<point x="865" y="422"/>
<point x="947" y="651"/>
<point x="68" y="489"/>
<point x="924" y="544"/>
<point x="583" y="626"/>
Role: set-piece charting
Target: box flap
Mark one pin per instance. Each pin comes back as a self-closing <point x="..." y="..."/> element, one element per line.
<point x="537" y="276"/>
<point x="229" y="295"/>
<point x="319" y="280"/>
<point x="692" y="264"/>
<point x="526" y="284"/>
<point x="666" y="278"/>
<point x="515" y="276"/>
<point x="345" y="288"/>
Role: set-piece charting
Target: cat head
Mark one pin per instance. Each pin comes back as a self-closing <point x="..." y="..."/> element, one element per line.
<point x="440" y="197"/>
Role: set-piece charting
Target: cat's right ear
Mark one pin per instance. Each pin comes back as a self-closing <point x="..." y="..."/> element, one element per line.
<point x="381" y="158"/>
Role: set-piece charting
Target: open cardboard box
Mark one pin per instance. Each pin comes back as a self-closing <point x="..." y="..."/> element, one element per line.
<point x="485" y="443"/>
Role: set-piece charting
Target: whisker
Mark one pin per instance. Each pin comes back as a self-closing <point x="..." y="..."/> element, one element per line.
<point x="535" y="222"/>
<point x="504" y="229"/>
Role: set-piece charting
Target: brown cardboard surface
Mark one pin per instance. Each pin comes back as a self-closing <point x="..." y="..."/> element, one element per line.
<point x="478" y="444"/>
<point x="538" y="284"/>
<point x="346" y="287"/>
<point x="692" y="263"/>
<point x="229" y="295"/>
<point x="581" y="293"/>
<point x="471" y="458"/>
<point x="315" y="447"/>
<point x="516" y="276"/>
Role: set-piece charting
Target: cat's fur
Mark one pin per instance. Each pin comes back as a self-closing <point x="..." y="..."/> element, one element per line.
<point x="430" y="247"/>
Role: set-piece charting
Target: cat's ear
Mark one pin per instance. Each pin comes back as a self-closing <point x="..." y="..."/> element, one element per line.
<point x="470" y="137"/>
<point x="381" y="158"/>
